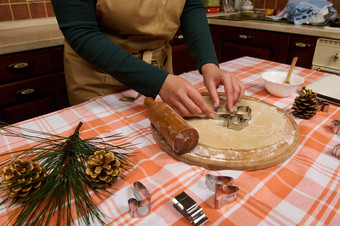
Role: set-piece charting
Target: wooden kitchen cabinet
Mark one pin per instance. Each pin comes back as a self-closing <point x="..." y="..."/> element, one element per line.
<point x="32" y="83"/>
<point x="182" y="61"/>
<point x="302" y="47"/>
<point x="232" y="43"/>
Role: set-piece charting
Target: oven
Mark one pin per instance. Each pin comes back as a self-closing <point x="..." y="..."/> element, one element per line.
<point x="327" y="59"/>
<point x="327" y="56"/>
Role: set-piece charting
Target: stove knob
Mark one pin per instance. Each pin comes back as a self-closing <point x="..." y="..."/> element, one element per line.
<point x="337" y="57"/>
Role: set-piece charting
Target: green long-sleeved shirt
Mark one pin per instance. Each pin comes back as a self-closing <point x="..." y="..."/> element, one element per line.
<point x="77" y="21"/>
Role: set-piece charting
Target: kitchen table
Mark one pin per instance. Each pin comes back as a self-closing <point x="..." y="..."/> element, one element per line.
<point x="303" y="190"/>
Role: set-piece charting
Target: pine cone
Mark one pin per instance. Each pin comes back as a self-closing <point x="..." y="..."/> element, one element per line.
<point x="103" y="168"/>
<point x="306" y="104"/>
<point x="22" y="178"/>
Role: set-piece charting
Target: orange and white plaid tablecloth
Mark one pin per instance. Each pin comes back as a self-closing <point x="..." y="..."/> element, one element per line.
<point x="303" y="190"/>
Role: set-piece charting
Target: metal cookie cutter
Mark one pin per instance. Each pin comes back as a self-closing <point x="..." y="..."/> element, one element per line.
<point x="323" y="105"/>
<point x="224" y="192"/>
<point x="335" y="126"/>
<point x="141" y="205"/>
<point x="189" y="209"/>
<point x="237" y="120"/>
<point x="336" y="151"/>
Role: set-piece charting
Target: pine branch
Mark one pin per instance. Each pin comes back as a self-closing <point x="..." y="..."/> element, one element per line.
<point x="64" y="159"/>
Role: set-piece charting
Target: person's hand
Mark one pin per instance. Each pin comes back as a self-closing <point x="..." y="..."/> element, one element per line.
<point x="233" y="87"/>
<point x="183" y="97"/>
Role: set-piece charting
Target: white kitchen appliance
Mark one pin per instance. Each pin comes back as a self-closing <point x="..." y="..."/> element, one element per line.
<point x="327" y="56"/>
<point x="327" y="59"/>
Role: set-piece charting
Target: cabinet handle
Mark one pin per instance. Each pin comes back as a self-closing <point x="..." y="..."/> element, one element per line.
<point x="245" y="37"/>
<point x="302" y="45"/>
<point x="19" y="66"/>
<point x="179" y="37"/>
<point x="25" y="92"/>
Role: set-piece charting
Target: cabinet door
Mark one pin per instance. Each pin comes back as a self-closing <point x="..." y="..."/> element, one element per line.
<point x="182" y="61"/>
<point x="302" y="47"/>
<point x="232" y="43"/>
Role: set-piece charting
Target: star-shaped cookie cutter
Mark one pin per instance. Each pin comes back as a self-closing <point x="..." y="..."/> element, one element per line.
<point x="141" y="205"/>
<point x="237" y="120"/>
<point x="225" y="193"/>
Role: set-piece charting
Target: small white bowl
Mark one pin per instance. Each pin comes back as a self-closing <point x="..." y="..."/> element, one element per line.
<point x="273" y="82"/>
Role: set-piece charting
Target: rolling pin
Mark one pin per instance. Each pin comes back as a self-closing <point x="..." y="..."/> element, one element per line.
<point x="175" y="130"/>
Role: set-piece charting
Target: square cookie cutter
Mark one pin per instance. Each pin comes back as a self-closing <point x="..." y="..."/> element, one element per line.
<point x="184" y="204"/>
<point x="237" y="120"/>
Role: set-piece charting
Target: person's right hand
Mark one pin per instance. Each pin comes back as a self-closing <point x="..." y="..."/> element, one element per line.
<point x="214" y="77"/>
<point x="183" y="97"/>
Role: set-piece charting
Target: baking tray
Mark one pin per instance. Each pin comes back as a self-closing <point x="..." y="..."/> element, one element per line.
<point x="327" y="88"/>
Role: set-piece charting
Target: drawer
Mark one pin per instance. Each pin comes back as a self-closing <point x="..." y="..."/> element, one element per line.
<point x="27" y="110"/>
<point x="33" y="88"/>
<point x="17" y="66"/>
<point x="233" y="42"/>
<point x="254" y="37"/>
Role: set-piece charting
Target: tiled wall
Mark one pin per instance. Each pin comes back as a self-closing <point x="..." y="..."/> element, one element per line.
<point x="30" y="9"/>
<point x="22" y="9"/>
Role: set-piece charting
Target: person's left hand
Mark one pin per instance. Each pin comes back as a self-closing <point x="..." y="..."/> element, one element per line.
<point x="233" y="87"/>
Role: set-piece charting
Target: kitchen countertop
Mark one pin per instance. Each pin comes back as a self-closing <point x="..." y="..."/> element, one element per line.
<point x="323" y="32"/>
<point x="22" y="35"/>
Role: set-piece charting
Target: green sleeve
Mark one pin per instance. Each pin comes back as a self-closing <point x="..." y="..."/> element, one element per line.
<point x="195" y="29"/>
<point x="77" y="21"/>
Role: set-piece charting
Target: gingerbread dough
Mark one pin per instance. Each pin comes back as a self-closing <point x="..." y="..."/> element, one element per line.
<point x="265" y="128"/>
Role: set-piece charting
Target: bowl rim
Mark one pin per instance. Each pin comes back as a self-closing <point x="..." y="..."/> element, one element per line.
<point x="302" y="79"/>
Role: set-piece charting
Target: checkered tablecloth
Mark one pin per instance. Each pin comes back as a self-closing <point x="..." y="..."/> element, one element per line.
<point x="303" y="190"/>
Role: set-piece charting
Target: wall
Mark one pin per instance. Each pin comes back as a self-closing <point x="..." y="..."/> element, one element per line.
<point x="30" y="9"/>
<point x="22" y="9"/>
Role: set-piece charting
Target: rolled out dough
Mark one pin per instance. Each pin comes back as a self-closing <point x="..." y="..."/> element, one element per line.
<point x="265" y="128"/>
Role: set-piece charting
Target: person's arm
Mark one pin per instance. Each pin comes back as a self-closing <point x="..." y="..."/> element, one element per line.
<point x="196" y="32"/>
<point x="195" y="28"/>
<point x="77" y="21"/>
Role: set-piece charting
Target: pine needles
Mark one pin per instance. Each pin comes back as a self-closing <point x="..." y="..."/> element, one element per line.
<point x="65" y="193"/>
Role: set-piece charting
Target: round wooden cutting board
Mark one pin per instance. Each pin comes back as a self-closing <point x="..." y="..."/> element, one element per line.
<point x="251" y="159"/>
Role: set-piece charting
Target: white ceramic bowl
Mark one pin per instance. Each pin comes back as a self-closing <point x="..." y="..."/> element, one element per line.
<point x="273" y="82"/>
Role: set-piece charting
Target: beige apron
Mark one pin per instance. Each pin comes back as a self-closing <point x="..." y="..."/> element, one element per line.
<point x="141" y="27"/>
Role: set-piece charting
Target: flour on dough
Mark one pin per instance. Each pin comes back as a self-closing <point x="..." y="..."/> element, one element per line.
<point x="265" y="128"/>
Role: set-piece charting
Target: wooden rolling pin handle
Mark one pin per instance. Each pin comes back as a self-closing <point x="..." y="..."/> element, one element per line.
<point x="175" y="130"/>
<point x="149" y="102"/>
